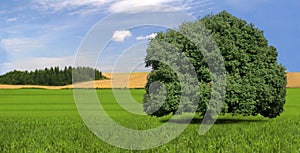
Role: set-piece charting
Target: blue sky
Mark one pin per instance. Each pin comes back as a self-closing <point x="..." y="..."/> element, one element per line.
<point x="43" y="33"/>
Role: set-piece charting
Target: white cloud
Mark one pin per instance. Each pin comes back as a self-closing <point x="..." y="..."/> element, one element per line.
<point x="68" y="4"/>
<point x="11" y="20"/>
<point x="151" y="36"/>
<point x="20" y="44"/>
<point x="122" y="5"/>
<point x="76" y="6"/>
<point x="84" y="7"/>
<point x="135" y="6"/>
<point x="120" y="36"/>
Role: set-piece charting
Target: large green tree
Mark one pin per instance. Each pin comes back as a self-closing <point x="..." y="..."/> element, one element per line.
<point x="255" y="81"/>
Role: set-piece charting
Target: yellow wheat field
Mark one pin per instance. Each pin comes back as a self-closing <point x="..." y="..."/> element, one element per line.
<point x="293" y="79"/>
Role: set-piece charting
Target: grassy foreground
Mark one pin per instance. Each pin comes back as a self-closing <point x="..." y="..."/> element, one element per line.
<point x="36" y="120"/>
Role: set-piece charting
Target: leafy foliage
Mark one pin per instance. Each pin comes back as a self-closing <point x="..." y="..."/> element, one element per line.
<point x="51" y="76"/>
<point x="255" y="81"/>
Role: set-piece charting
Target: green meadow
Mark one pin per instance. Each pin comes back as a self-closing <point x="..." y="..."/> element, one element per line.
<point x="37" y="120"/>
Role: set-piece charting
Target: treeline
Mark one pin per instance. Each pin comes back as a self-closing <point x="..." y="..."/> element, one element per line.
<point x="53" y="76"/>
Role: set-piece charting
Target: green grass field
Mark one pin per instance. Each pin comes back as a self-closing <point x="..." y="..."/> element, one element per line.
<point x="36" y="120"/>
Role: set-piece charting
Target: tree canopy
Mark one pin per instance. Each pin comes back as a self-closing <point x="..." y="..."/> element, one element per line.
<point x="53" y="76"/>
<point x="255" y="81"/>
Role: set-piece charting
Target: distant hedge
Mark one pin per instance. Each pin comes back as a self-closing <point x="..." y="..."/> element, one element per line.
<point x="53" y="76"/>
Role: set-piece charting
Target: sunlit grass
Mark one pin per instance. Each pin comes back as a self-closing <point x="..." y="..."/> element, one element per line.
<point x="33" y="120"/>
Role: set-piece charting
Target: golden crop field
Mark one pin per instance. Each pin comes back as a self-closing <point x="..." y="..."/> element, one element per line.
<point x="293" y="79"/>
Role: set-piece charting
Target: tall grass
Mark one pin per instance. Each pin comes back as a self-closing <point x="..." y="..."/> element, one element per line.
<point x="33" y="120"/>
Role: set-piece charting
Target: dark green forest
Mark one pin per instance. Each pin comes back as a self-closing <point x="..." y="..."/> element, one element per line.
<point x="53" y="76"/>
